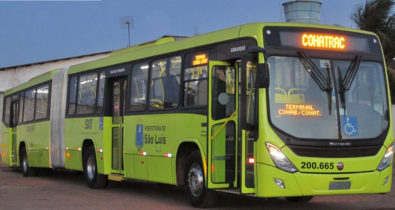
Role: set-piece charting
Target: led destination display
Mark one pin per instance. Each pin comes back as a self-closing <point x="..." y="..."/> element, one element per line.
<point x="313" y="39"/>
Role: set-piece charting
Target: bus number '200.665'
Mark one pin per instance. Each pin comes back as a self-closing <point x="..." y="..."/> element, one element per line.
<point x="314" y="165"/>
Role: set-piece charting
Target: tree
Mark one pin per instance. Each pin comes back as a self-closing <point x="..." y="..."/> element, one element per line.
<point x="376" y="16"/>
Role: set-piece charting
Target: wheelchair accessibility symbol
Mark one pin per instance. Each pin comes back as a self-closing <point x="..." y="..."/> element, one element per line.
<point x="350" y="126"/>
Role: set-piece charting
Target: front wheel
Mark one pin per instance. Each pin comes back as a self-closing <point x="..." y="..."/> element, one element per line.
<point x="24" y="164"/>
<point x="301" y="199"/>
<point x="195" y="187"/>
<point x="93" y="179"/>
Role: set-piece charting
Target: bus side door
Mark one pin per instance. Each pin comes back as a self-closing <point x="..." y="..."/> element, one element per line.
<point x="248" y="121"/>
<point x="14" y="117"/>
<point x="222" y="132"/>
<point x="118" y="92"/>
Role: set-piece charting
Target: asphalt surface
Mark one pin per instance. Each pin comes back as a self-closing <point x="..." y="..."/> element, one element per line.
<point x="67" y="190"/>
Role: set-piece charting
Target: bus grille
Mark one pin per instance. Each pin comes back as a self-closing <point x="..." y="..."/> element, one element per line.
<point x="328" y="152"/>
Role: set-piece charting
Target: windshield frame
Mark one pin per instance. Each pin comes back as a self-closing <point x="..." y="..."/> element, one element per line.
<point x="341" y="56"/>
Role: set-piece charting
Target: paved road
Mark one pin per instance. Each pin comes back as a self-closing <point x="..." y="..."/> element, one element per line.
<point x="67" y="190"/>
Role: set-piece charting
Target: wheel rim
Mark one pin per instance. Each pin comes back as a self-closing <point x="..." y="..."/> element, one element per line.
<point x="91" y="167"/>
<point x="24" y="164"/>
<point x="195" y="180"/>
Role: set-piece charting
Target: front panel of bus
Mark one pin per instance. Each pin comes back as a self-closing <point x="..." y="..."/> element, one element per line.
<point x="325" y="117"/>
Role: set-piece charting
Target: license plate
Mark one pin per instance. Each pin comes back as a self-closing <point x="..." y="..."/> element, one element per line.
<point x="339" y="185"/>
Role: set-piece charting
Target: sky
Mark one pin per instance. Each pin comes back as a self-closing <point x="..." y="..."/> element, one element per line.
<point x="34" y="31"/>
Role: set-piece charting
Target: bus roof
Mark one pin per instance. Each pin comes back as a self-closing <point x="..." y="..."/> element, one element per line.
<point x="32" y="82"/>
<point x="170" y="44"/>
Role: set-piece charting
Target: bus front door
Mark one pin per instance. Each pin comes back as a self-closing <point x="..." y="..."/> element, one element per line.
<point x="223" y="124"/>
<point x="248" y="119"/>
<point x="14" y="116"/>
<point x="118" y="88"/>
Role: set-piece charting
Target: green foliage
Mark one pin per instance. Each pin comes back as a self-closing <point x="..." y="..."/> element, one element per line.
<point x="377" y="16"/>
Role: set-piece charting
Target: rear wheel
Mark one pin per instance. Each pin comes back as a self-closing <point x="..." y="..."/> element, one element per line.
<point x="93" y="179"/>
<point x="195" y="186"/>
<point x="301" y="199"/>
<point x="24" y="164"/>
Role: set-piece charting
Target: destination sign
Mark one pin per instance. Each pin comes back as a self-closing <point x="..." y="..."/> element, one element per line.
<point x="323" y="41"/>
<point x="320" y="39"/>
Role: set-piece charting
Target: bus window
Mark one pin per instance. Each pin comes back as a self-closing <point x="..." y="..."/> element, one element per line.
<point x="195" y="87"/>
<point x="72" y="95"/>
<point x="100" y="95"/>
<point x="21" y="96"/>
<point x="86" y="102"/>
<point x="28" y="109"/>
<point x="7" y="110"/>
<point x="138" y="88"/>
<point x="41" y="102"/>
<point x="165" y="83"/>
<point x="223" y="91"/>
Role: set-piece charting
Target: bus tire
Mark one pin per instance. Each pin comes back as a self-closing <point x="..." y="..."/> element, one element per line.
<point x="301" y="199"/>
<point x="195" y="187"/>
<point x="24" y="164"/>
<point x="93" y="179"/>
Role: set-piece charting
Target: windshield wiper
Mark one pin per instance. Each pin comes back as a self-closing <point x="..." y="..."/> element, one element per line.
<point x="315" y="73"/>
<point x="351" y="72"/>
<point x="345" y="84"/>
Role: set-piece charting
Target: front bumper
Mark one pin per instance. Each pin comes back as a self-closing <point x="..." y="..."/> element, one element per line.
<point x="309" y="184"/>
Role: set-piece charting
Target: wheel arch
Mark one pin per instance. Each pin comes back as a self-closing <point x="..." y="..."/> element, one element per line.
<point x="21" y="145"/>
<point x="85" y="145"/>
<point x="185" y="148"/>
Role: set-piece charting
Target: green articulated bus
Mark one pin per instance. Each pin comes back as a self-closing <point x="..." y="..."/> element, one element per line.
<point x="262" y="109"/>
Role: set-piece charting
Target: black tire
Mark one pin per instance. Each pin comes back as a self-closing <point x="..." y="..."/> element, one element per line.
<point x="195" y="185"/>
<point x="24" y="164"/>
<point x="301" y="199"/>
<point x="93" y="179"/>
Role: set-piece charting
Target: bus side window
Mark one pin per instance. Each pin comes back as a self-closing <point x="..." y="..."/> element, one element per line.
<point x="86" y="103"/>
<point x="72" y="95"/>
<point x="195" y="86"/>
<point x="7" y="111"/>
<point x="165" y="83"/>
<point x="28" y="109"/>
<point x="100" y="94"/>
<point x="138" y="88"/>
<point x="41" y="102"/>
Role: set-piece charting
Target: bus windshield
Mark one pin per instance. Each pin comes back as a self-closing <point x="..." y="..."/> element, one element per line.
<point x="355" y="108"/>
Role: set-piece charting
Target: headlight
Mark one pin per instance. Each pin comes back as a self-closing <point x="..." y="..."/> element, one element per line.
<point x="386" y="161"/>
<point x="280" y="159"/>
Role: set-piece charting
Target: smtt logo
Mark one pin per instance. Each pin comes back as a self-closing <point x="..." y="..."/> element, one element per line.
<point x="340" y="166"/>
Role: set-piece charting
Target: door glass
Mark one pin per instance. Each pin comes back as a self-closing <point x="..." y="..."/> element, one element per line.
<point x="223" y="154"/>
<point x="116" y="102"/>
<point x="14" y="114"/>
<point x="14" y="123"/>
<point x="118" y="93"/>
<point x="250" y="119"/>
<point x="223" y="92"/>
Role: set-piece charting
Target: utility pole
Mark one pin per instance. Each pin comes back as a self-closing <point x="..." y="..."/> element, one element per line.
<point x="127" y="21"/>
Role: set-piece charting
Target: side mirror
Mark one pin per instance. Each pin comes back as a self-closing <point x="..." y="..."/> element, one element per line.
<point x="262" y="77"/>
